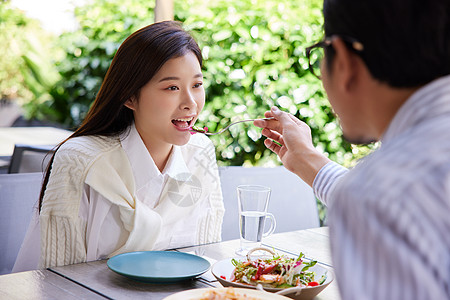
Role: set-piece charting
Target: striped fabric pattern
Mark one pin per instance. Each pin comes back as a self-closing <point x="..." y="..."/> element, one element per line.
<point x="326" y="179"/>
<point x="389" y="216"/>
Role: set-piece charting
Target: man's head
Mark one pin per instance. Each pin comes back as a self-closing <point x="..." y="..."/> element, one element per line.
<point x="406" y="44"/>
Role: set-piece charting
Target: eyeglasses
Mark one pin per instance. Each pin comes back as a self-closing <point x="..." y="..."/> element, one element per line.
<point x="315" y="53"/>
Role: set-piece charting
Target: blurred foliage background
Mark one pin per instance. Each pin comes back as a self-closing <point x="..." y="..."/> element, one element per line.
<point x="27" y="72"/>
<point x="254" y="58"/>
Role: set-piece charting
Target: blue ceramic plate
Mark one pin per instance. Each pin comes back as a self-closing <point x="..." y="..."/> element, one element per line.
<point x="158" y="266"/>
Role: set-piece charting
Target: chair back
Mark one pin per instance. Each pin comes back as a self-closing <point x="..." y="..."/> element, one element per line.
<point x="30" y="158"/>
<point x="19" y="194"/>
<point x="292" y="201"/>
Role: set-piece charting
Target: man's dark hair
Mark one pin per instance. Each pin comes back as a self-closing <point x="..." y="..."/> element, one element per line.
<point x="406" y="42"/>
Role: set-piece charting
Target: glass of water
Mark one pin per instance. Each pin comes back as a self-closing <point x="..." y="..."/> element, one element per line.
<point x="253" y="201"/>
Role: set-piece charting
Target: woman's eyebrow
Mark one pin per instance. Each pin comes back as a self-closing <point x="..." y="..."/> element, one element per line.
<point x="169" y="78"/>
<point x="199" y="75"/>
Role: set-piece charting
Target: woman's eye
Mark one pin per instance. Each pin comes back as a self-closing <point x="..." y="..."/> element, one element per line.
<point x="198" y="84"/>
<point x="172" y="88"/>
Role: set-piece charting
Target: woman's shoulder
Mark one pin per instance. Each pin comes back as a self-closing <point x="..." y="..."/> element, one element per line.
<point x="89" y="146"/>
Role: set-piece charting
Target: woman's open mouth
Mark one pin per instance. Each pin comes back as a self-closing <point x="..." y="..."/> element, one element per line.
<point x="183" y="124"/>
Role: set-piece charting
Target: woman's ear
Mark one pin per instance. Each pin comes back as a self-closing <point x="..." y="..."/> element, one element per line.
<point x="131" y="103"/>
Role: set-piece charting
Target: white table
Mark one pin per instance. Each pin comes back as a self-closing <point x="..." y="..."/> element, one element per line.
<point x="9" y="136"/>
<point x="93" y="279"/>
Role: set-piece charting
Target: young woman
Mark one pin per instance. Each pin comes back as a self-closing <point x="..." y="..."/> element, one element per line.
<point x="132" y="177"/>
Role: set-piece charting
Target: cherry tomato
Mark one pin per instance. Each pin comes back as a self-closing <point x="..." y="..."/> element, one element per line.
<point x="313" y="283"/>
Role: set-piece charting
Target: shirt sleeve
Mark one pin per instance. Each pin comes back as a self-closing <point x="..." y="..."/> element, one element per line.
<point x="326" y="179"/>
<point x="215" y="215"/>
<point x="30" y="251"/>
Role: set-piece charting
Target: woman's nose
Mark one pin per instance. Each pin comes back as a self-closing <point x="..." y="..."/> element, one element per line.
<point x="188" y="101"/>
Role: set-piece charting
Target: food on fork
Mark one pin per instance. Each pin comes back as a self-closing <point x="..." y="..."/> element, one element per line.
<point x="279" y="271"/>
<point x="225" y="294"/>
<point x="195" y="129"/>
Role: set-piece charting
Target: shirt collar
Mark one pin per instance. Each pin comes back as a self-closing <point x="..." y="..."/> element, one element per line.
<point x="142" y="164"/>
<point x="176" y="165"/>
<point x="427" y="102"/>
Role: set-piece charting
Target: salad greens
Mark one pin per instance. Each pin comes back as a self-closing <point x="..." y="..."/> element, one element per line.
<point x="276" y="272"/>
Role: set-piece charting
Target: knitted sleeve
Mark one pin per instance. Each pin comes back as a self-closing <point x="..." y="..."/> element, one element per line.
<point x="62" y="231"/>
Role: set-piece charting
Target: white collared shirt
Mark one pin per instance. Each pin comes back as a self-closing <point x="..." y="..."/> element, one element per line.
<point x="104" y="227"/>
<point x="389" y="216"/>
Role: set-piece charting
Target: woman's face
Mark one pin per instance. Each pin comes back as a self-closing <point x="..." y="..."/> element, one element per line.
<point x="170" y="102"/>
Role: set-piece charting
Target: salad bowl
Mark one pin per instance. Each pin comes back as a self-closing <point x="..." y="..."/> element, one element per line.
<point x="223" y="270"/>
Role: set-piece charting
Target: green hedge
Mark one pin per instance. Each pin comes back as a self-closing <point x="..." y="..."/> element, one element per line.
<point x="26" y="71"/>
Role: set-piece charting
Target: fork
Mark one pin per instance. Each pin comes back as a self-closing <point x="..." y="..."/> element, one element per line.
<point x="229" y="125"/>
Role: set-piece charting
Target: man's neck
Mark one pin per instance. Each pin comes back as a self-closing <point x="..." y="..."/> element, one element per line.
<point x="384" y="104"/>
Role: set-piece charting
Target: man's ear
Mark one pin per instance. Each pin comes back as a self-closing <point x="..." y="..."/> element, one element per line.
<point x="346" y="64"/>
<point x="131" y="103"/>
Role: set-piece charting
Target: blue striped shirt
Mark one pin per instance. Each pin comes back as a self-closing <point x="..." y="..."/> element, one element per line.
<point x="389" y="216"/>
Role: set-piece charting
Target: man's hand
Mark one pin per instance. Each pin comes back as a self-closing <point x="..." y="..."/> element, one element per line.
<point x="291" y="140"/>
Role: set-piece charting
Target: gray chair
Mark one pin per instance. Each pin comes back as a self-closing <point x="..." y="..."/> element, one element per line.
<point x="30" y="158"/>
<point x="292" y="201"/>
<point x="19" y="194"/>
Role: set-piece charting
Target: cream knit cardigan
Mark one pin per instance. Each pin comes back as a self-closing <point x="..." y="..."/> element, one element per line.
<point x="102" y="163"/>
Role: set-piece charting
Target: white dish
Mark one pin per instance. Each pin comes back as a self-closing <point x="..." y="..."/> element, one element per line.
<point x="196" y="294"/>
